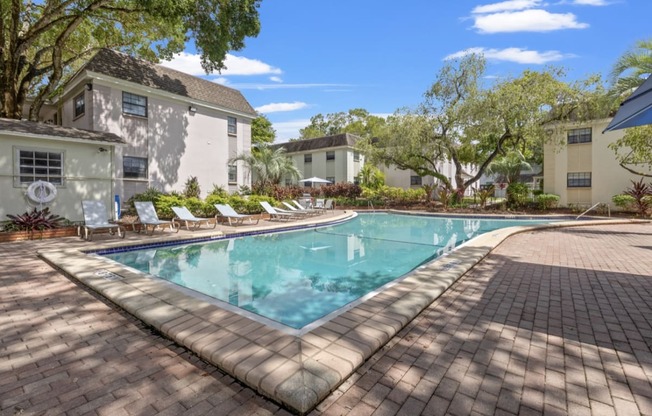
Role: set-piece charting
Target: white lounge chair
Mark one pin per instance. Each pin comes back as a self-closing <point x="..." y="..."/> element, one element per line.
<point x="300" y="207"/>
<point x="96" y="218"/>
<point x="148" y="218"/>
<point x="275" y="214"/>
<point x="296" y="210"/>
<point x="183" y="215"/>
<point x="232" y="216"/>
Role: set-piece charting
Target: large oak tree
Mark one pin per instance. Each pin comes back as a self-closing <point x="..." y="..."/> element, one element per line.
<point x="44" y="42"/>
<point x="462" y="122"/>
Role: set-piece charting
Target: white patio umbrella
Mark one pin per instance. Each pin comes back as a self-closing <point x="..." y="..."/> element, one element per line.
<point x="315" y="179"/>
<point x="636" y="110"/>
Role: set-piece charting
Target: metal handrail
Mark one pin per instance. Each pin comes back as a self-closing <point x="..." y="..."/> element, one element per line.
<point x="597" y="204"/>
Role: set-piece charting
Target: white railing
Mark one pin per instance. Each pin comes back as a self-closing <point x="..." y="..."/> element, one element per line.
<point x="593" y="207"/>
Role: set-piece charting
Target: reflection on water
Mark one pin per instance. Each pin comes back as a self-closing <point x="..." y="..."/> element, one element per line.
<point x="296" y="278"/>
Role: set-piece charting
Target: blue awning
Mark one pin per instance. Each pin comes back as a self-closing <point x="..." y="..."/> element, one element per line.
<point x="636" y="110"/>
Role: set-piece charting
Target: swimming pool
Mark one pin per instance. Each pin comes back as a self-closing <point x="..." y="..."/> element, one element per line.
<point x="295" y="278"/>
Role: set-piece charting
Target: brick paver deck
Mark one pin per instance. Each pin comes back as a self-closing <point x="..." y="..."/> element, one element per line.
<point x="556" y="321"/>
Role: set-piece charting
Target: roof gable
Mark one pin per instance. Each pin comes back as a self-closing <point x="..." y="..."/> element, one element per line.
<point x="338" y="140"/>
<point x="127" y="68"/>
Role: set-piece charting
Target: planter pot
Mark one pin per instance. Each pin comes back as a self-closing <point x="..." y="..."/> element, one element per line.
<point x="37" y="235"/>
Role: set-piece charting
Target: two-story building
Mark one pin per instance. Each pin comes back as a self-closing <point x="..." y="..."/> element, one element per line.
<point x="333" y="158"/>
<point x="579" y="166"/>
<point x="175" y="125"/>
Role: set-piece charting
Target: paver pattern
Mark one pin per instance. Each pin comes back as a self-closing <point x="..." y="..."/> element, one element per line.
<point x="554" y="322"/>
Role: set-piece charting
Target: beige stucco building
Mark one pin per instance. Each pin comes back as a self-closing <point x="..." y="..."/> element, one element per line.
<point x="579" y="166"/>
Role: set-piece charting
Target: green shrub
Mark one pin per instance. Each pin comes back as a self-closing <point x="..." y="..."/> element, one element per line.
<point x="191" y="188"/>
<point x="165" y="203"/>
<point x="623" y="201"/>
<point x="547" y="201"/>
<point x="484" y="194"/>
<point x="517" y="195"/>
<point x="218" y="191"/>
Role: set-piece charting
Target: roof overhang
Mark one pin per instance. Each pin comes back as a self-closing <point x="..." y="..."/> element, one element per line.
<point x="636" y="110"/>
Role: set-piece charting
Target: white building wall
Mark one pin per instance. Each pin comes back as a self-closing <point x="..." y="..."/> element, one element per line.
<point x="86" y="170"/>
<point x="178" y="143"/>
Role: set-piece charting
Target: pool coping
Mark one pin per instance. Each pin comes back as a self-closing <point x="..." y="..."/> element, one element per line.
<point x="296" y="371"/>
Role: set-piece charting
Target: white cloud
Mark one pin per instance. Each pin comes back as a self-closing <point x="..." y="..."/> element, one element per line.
<point x="504" y="6"/>
<point x="591" y="2"/>
<point x="278" y="107"/>
<point x="220" y="80"/>
<point x="286" y="130"/>
<point x="518" y="55"/>
<point x="275" y="79"/>
<point x="534" y="20"/>
<point x="236" y="65"/>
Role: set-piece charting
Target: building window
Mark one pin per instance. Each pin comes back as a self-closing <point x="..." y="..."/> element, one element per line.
<point x="133" y="104"/>
<point x="331" y="179"/>
<point x="415" y="180"/>
<point x="233" y="125"/>
<point x="579" y="136"/>
<point x="233" y="174"/>
<point x="307" y="158"/>
<point x="34" y="165"/>
<point x="578" y="180"/>
<point x="135" y="167"/>
<point x="288" y="182"/>
<point x="356" y="156"/>
<point x="330" y="155"/>
<point x="80" y="106"/>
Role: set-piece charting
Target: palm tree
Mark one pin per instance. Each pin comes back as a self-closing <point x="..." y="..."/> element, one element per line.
<point x="268" y="165"/>
<point x="509" y="166"/>
<point x="371" y="177"/>
<point x="631" y="69"/>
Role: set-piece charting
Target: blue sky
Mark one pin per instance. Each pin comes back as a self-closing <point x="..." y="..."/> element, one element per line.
<point x="328" y="56"/>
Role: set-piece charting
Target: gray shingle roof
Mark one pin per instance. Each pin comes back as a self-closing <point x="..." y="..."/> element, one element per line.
<point x="42" y="129"/>
<point x="127" y="68"/>
<point x="338" y="140"/>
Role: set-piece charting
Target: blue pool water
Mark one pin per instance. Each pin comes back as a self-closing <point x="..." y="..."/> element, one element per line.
<point x="298" y="277"/>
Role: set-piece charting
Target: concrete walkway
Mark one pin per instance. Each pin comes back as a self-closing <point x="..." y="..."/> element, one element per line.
<point x="556" y="321"/>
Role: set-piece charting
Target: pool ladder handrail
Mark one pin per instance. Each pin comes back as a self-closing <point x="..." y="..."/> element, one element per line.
<point x="594" y="206"/>
<point x="370" y="204"/>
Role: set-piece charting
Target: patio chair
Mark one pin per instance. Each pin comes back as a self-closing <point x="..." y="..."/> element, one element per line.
<point x="96" y="218"/>
<point x="183" y="215"/>
<point x="302" y="211"/>
<point x="329" y="204"/>
<point x="316" y="211"/>
<point x="148" y="218"/>
<point x="232" y="216"/>
<point x="275" y="214"/>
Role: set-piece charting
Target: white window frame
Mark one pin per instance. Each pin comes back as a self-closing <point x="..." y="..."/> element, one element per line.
<point x="232" y="126"/>
<point x="235" y="174"/>
<point x="57" y="180"/>
<point x="581" y="135"/>
<point x="124" y="171"/>
<point x="579" y="180"/>
<point x="131" y="105"/>
<point x="81" y="97"/>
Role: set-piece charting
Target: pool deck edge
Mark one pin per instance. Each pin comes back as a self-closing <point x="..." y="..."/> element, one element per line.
<point x="297" y="371"/>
